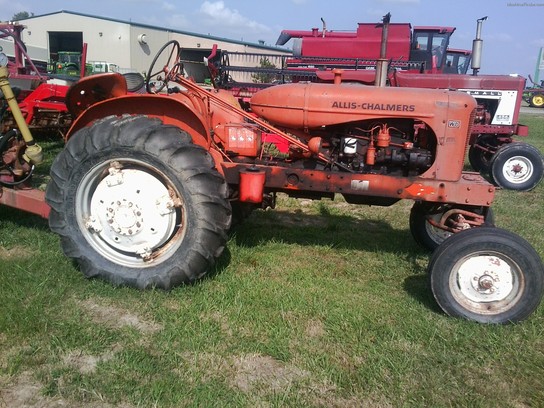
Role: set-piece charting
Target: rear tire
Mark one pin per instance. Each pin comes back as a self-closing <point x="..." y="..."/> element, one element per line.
<point x="136" y="203"/>
<point x="517" y="166"/>
<point x="487" y="275"/>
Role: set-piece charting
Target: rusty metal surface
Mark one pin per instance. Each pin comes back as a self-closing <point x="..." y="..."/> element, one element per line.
<point x="470" y="189"/>
<point x="32" y="200"/>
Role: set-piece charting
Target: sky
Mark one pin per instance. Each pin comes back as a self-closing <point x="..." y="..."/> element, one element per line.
<point x="512" y="33"/>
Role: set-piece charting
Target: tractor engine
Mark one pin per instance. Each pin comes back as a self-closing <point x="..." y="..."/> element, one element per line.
<point x="367" y="129"/>
<point x="398" y="147"/>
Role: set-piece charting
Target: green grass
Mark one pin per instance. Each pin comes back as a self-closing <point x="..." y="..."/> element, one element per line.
<point x="313" y="304"/>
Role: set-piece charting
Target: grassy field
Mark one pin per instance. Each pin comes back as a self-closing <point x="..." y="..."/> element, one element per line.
<point x="313" y="304"/>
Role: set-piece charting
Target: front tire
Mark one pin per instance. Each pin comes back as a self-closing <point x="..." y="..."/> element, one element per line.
<point x="488" y="275"/>
<point x="136" y="203"/>
<point x="517" y="166"/>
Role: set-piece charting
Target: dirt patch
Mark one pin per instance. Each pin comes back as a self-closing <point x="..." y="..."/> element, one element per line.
<point x="25" y="392"/>
<point x="250" y="373"/>
<point x="315" y="328"/>
<point x="116" y="317"/>
<point x="17" y="252"/>
<point x="260" y="376"/>
<point x="86" y="363"/>
<point x="262" y="373"/>
<point x="330" y="401"/>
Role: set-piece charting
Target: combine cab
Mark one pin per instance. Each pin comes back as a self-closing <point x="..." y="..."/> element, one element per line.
<point x="457" y="61"/>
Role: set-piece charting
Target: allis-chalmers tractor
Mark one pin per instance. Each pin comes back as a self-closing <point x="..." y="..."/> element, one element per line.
<point x="148" y="185"/>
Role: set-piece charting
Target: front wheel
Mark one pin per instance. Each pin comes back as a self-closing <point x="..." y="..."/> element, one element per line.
<point x="487" y="275"/>
<point x="517" y="166"/>
<point x="136" y="203"/>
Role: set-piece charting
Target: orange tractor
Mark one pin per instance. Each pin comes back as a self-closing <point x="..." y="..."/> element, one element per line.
<point x="148" y="185"/>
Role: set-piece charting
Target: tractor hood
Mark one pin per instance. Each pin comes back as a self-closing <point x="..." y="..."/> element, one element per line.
<point x="315" y="105"/>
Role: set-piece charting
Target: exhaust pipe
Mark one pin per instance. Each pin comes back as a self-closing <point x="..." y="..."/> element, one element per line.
<point x="381" y="64"/>
<point x="477" y="45"/>
<point x="324" y="27"/>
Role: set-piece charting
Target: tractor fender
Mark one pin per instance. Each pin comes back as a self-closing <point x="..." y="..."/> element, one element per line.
<point x="92" y="89"/>
<point x="169" y="110"/>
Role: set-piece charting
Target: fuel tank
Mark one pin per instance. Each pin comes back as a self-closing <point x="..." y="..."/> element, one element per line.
<point x="313" y="105"/>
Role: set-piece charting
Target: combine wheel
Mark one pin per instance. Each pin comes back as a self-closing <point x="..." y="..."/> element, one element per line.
<point x="517" y="166"/>
<point x="136" y="203"/>
<point x="164" y="67"/>
<point x="537" y="100"/>
<point x="488" y="275"/>
<point x="431" y="224"/>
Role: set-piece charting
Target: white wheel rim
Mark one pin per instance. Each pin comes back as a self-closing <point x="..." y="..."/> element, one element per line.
<point x="486" y="283"/>
<point x="517" y="169"/>
<point x="438" y="235"/>
<point x="128" y="212"/>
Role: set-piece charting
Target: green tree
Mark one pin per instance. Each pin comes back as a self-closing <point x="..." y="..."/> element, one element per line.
<point x="21" y="15"/>
<point x="265" y="77"/>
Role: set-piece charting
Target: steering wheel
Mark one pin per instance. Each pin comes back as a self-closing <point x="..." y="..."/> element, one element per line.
<point x="168" y="59"/>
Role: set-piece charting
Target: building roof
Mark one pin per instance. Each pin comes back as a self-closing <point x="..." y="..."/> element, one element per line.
<point x="132" y="23"/>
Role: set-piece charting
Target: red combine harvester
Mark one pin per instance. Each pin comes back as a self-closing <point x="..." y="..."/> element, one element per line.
<point x="422" y="48"/>
<point x="416" y="59"/>
<point x="147" y="186"/>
